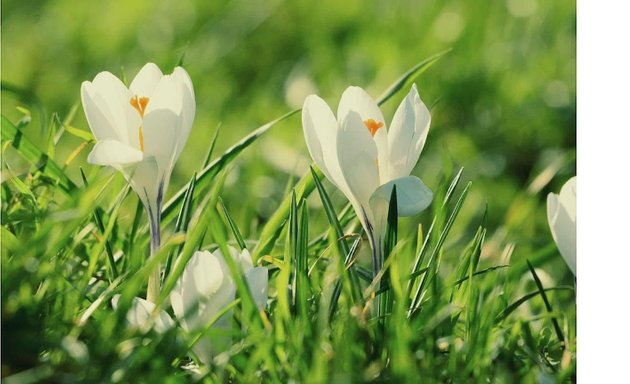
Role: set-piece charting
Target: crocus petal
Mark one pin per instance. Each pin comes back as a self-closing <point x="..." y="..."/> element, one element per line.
<point x="412" y="195"/>
<point x="160" y="135"/>
<point x="561" y="214"/>
<point x="202" y="291"/>
<point x="146" y="80"/>
<point x="358" y="158"/>
<point x="161" y="124"/>
<point x="112" y="97"/>
<point x="112" y="152"/>
<point x="166" y="95"/>
<point x="100" y="114"/>
<point x="140" y="316"/>
<point x="407" y="134"/>
<point x="258" y="282"/>
<point x="188" y="108"/>
<point x="355" y="99"/>
<point x="320" y="131"/>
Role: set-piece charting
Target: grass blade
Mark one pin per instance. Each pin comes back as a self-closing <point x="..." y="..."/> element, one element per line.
<point x="408" y="77"/>
<point x="209" y="172"/>
<point x="181" y="224"/>
<point x="433" y="262"/>
<point x="271" y="230"/>
<point x="541" y="289"/>
<point x="355" y="288"/>
<point x="512" y="307"/>
<point x="425" y="245"/>
<point x="237" y="234"/>
<point x="391" y="238"/>
<point x="35" y="156"/>
<point x="99" y="223"/>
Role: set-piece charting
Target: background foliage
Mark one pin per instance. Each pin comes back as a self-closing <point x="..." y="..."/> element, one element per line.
<point x="502" y="103"/>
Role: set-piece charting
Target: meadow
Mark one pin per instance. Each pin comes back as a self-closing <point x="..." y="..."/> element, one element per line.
<point x="473" y="289"/>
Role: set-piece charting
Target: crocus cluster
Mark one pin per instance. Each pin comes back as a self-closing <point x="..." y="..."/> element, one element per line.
<point x="141" y="130"/>
<point x="201" y="293"/>
<point x="364" y="159"/>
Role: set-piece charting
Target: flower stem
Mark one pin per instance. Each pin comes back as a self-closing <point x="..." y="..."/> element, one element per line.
<point x="153" y="288"/>
<point x="377" y="254"/>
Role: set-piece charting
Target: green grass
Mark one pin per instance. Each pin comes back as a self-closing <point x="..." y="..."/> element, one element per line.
<point x="475" y="289"/>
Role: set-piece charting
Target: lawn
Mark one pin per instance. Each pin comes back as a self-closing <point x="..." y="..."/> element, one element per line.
<point x="472" y="289"/>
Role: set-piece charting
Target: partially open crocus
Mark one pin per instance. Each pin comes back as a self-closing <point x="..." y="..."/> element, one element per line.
<point x="561" y="210"/>
<point x="206" y="288"/>
<point x="201" y="293"/>
<point x="365" y="160"/>
<point x="141" y="131"/>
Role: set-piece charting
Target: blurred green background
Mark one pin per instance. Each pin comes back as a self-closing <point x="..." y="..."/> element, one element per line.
<point x="502" y="101"/>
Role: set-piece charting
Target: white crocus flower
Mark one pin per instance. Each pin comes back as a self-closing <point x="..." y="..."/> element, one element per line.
<point x="364" y="159"/>
<point x="141" y="131"/>
<point x="205" y="288"/>
<point x="561" y="211"/>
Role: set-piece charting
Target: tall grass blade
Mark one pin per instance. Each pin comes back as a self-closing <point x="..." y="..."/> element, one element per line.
<point x="99" y="223"/>
<point x="355" y="288"/>
<point x="271" y="230"/>
<point x="235" y="231"/>
<point x="33" y="155"/>
<point x="541" y="289"/>
<point x="512" y="307"/>
<point x="391" y="238"/>
<point x="209" y="172"/>
<point x="425" y="245"/>
<point x="408" y="77"/>
<point x="433" y="262"/>
<point x="181" y="224"/>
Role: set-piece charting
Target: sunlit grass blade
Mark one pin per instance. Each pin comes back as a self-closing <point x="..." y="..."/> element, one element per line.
<point x="209" y="172"/>
<point x="32" y="154"/>
<point x="548" y="306"/>
<point x="27" y="96"/>
<point x="468" y="263"/>
<point x="425" y="245"/>
<point x="213" y="143"/>
<point x="408" y="77"/>
<point x="480" y="272"/>
<point x="99" y="223"/>
<point x="232" y="224"/>
<point x="517" y="303"/>
<point x="367" y="275"/>
<point x="355" y="289"/>
<point x="302" y="286"/>
<point x="105" y="234"/>
<point x="433" y="262"/>
<point x="391" y="238"/>
<point x="273" y="227"/>
<point x="291" y="249"/>
<point x="200" y="223"/>
<point x="181" y="224"/>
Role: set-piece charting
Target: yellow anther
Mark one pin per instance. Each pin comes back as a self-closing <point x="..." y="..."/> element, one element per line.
<point x="140" y="104"/>
<point x="372" y="126"/>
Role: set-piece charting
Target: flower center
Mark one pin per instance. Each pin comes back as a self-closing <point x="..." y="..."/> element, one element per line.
<point x="372" y="126"/>
<point x="140" y="104"/>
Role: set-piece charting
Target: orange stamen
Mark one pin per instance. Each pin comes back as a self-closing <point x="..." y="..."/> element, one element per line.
<point x="140" y="104"/>
<point x="372" y="126"/>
